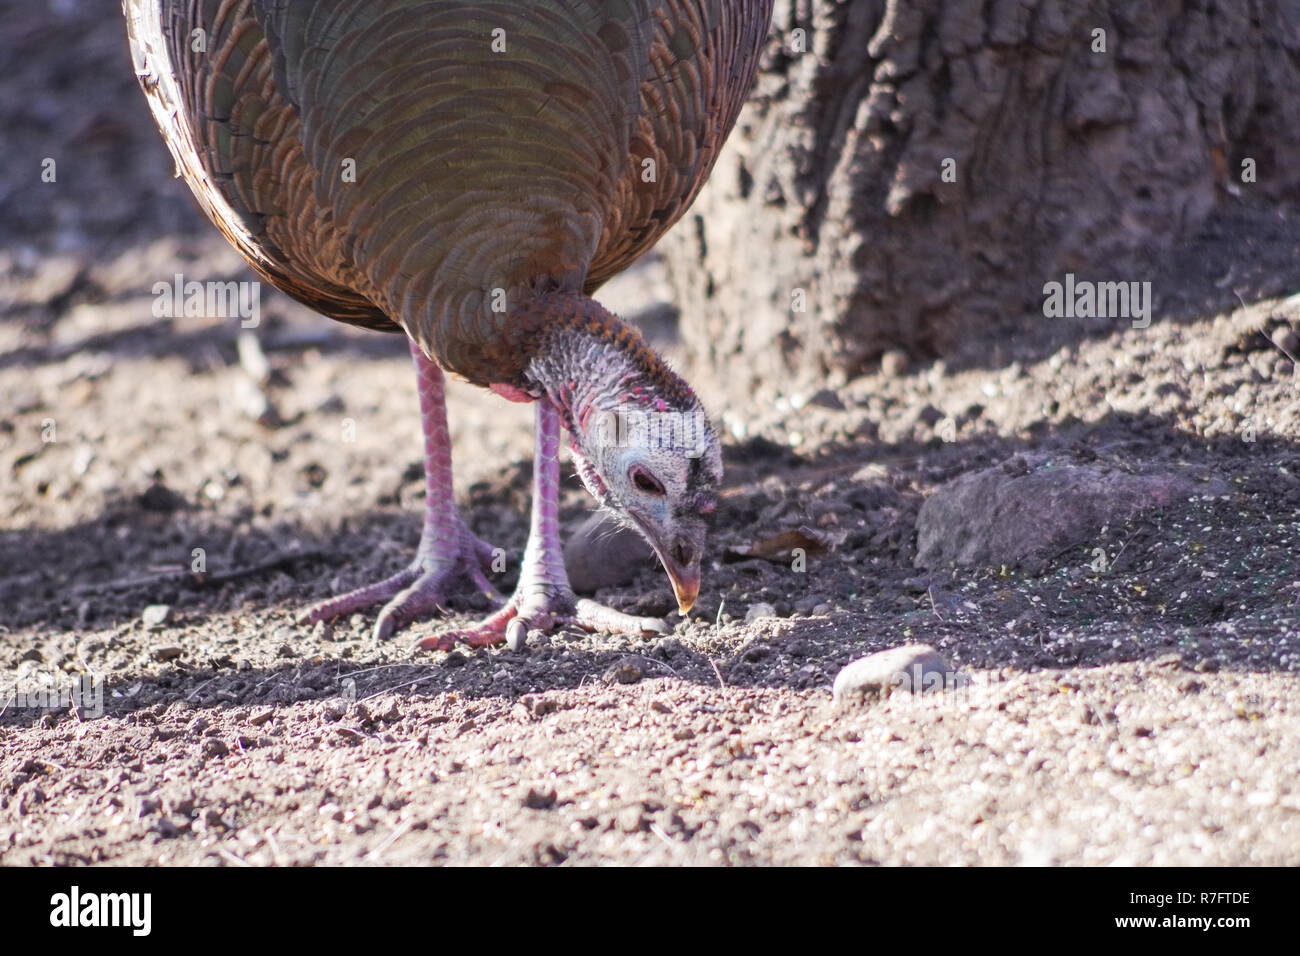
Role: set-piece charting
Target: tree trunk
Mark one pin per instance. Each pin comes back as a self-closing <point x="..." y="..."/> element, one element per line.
<point x="910" y="173"/>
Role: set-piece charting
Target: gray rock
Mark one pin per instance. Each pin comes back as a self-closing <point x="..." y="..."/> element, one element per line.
<point x="823" y="398"/>
<point x="604" y="554"/>
<point x="912" y="667"/>
<point x="1027" y="511"/>
<point x="827" y="398"/>
<point x="757" y="611"/>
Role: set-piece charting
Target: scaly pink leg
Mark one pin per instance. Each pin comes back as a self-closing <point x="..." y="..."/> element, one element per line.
<point x="450" y="559"/>
<point x="543" y="598"/>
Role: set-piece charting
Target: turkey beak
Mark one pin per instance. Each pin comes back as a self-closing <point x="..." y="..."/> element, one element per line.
<point x="682" y="562"/>
<point x="686" y="585"/>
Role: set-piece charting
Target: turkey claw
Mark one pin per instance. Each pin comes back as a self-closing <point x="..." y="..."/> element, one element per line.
<point x="420" y="590"/>
<point x="512" y="623"/>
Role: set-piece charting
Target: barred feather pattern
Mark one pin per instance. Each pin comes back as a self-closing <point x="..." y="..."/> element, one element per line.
<point x="439" y="167"/>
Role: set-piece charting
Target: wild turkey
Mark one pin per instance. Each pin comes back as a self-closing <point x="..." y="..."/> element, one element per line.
<point x="468" y="173"/>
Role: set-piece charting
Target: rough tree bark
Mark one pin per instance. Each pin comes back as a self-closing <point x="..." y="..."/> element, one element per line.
<point x="1070" y="150"/>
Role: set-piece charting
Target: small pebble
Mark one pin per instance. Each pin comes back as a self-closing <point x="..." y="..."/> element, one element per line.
<point x="827" y="398"/>
<point x="539" y="706"/>
<point x="156" y="615"/>
<point x="335" y="711"/>
<point x="632" y="820"/>
<point x="757" y="611"/>
<point x="536" y="799"/>
<point x="168" y="652"/>
<point x="893" y="363"/>
<point x="626" y="672"/>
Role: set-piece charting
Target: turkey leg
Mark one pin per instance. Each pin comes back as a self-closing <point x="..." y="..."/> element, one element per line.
<point x="450" y="559"/>
<point x="543" y="598"/>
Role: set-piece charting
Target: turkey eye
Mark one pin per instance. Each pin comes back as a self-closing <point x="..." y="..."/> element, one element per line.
<point x="644" y="481"/>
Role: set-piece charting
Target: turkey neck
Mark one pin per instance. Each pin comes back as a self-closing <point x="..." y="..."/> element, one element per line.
<point x="585" y="360"/>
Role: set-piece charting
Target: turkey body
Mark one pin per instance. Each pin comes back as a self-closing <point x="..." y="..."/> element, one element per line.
<point x="420" y="165"/>
<point x="467" y="173"/>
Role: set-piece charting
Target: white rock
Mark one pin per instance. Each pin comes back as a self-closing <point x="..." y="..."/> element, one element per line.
<point x="156" y="615"/>
<point x="913" y="667"/>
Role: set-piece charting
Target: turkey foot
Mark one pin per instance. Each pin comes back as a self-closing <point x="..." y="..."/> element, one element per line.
<point x="543" y="598"/>
<point x="450" y="560"/>
<point x="419" y="590"/>
<point x="547" y="611"/>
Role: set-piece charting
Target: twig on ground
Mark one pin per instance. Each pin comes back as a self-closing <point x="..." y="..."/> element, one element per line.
<point x="231" y="858"/>
<point x="722" y="683"/>
<point x="200" y="578"/>
<point x="398" y="831"/>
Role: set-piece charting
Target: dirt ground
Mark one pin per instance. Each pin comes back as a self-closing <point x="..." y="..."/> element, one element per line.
<point x="1144" y="713"/>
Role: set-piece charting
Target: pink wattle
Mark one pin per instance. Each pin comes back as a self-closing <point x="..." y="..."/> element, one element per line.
<point x="511" y="393"/>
